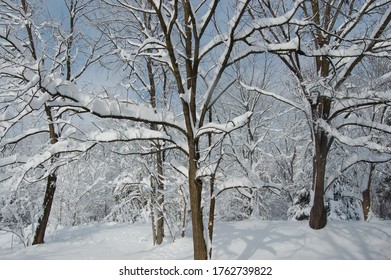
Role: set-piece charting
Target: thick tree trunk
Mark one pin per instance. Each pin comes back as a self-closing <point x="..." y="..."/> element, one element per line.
<point x="199" y="244"/>
<point x="318" y="214"/>
<point x="195" y="189"/>
<point x="47" y="206"/>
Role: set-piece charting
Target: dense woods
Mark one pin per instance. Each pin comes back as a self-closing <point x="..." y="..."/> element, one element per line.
<point x="183" y="113"/>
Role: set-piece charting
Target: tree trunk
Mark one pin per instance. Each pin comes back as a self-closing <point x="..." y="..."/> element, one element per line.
<point x="47" y="206"/>
<point x="50" y="186"/>
<point x="212" y="204"/>
<point x="195" y="189"/>
<point x="159" y="199"/>
<point x="366" y="194"/>
<point x="366" y="203"/>
<point x="199" y="244"/>
<point x="152" y="213"/>
<point x="157" y="196"/>
<point x="318" y="214"/>
<point x="211" y="223"/>
<point x="184" y="216"/>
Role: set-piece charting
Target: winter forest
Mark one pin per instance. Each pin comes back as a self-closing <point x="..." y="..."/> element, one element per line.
<point x="185" y="114"/>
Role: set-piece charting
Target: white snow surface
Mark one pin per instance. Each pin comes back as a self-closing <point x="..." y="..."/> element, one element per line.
<point x="251" y="239"/>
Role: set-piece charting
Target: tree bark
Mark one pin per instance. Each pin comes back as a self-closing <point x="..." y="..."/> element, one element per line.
<point x="184" y="216"/>
<point x="322" y="142"/>
<point x="199" y="244"/>
<point x="159" y="199"/>
<point x="366" y="203"/>
<point x="366" y="194"/>
<point x="52" y="178"/>
<point x="318" y="214"/>
<point x="50" y="186"/>
<point x="157" y="195"/>
<point x="47" y="207"/>
<point x="195" y="188"/>
<point x="152" y="213"/>
<point x="211" y="223"/>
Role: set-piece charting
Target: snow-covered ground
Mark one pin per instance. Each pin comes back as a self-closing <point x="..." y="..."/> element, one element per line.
<point x="251" y="239"/>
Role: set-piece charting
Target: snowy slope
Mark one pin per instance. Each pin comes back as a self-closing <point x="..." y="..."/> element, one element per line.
<point x="252" y="239"/>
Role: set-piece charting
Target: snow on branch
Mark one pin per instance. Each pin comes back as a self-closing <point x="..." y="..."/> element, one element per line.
<point x="226" y="128"/>
<point x="354" y="120"/>
<point x="24" y="135"/>
<point x="179" y="167"/>
<point x="20" y="165"/>
<point x="108" y="108"/>
<point x="14" y="42"/>
<point x="275" y="96"/>
<point x="354" y="159"/>
<point x="364" y="141"/>
<point x="365" y="98"/>
<point x="264" y="23"/>
<point x="133" y="134"/>
<point x="246" y="183"/>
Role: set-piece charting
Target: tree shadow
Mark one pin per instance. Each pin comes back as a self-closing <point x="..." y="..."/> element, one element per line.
<point x="284" y="241"/>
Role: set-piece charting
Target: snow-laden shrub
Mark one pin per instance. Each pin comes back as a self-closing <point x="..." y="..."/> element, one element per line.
<point x="382" y="199"/>
<point x="234" y="205"/>
<point x="131" y="199"/>
<point x="19" y="210"/>
<point x="344" y="202"/>
<point x="300" y="209"/>
<point x="241" y="204"/>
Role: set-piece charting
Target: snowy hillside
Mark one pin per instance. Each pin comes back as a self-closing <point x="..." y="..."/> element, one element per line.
<point x="252" y="239"/>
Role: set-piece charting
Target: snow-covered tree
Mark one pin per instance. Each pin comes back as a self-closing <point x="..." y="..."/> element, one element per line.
<point x="35" y="49"/>
<point x="197" y="45"/>
<point x="169" y="64"/>
<point x="331" y="39"/>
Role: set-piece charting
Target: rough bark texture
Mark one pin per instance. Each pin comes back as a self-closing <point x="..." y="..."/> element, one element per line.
<point x="318" y="214"/>
<point x="50" y="186"/>
<point x="322" y="142"/>
<point x="47" y="207"/>
<point x="195" y="187"/>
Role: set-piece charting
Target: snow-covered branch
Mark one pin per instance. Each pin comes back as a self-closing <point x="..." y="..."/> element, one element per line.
<point x="274" y="95"/>
<point x="351" y="161"/>
<point x="108" y="108"/>
<point x="246" y="183"/>
<point x="226" y="128"/>
<point x="364" y="141"/>
<point x="356" y="121"/>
